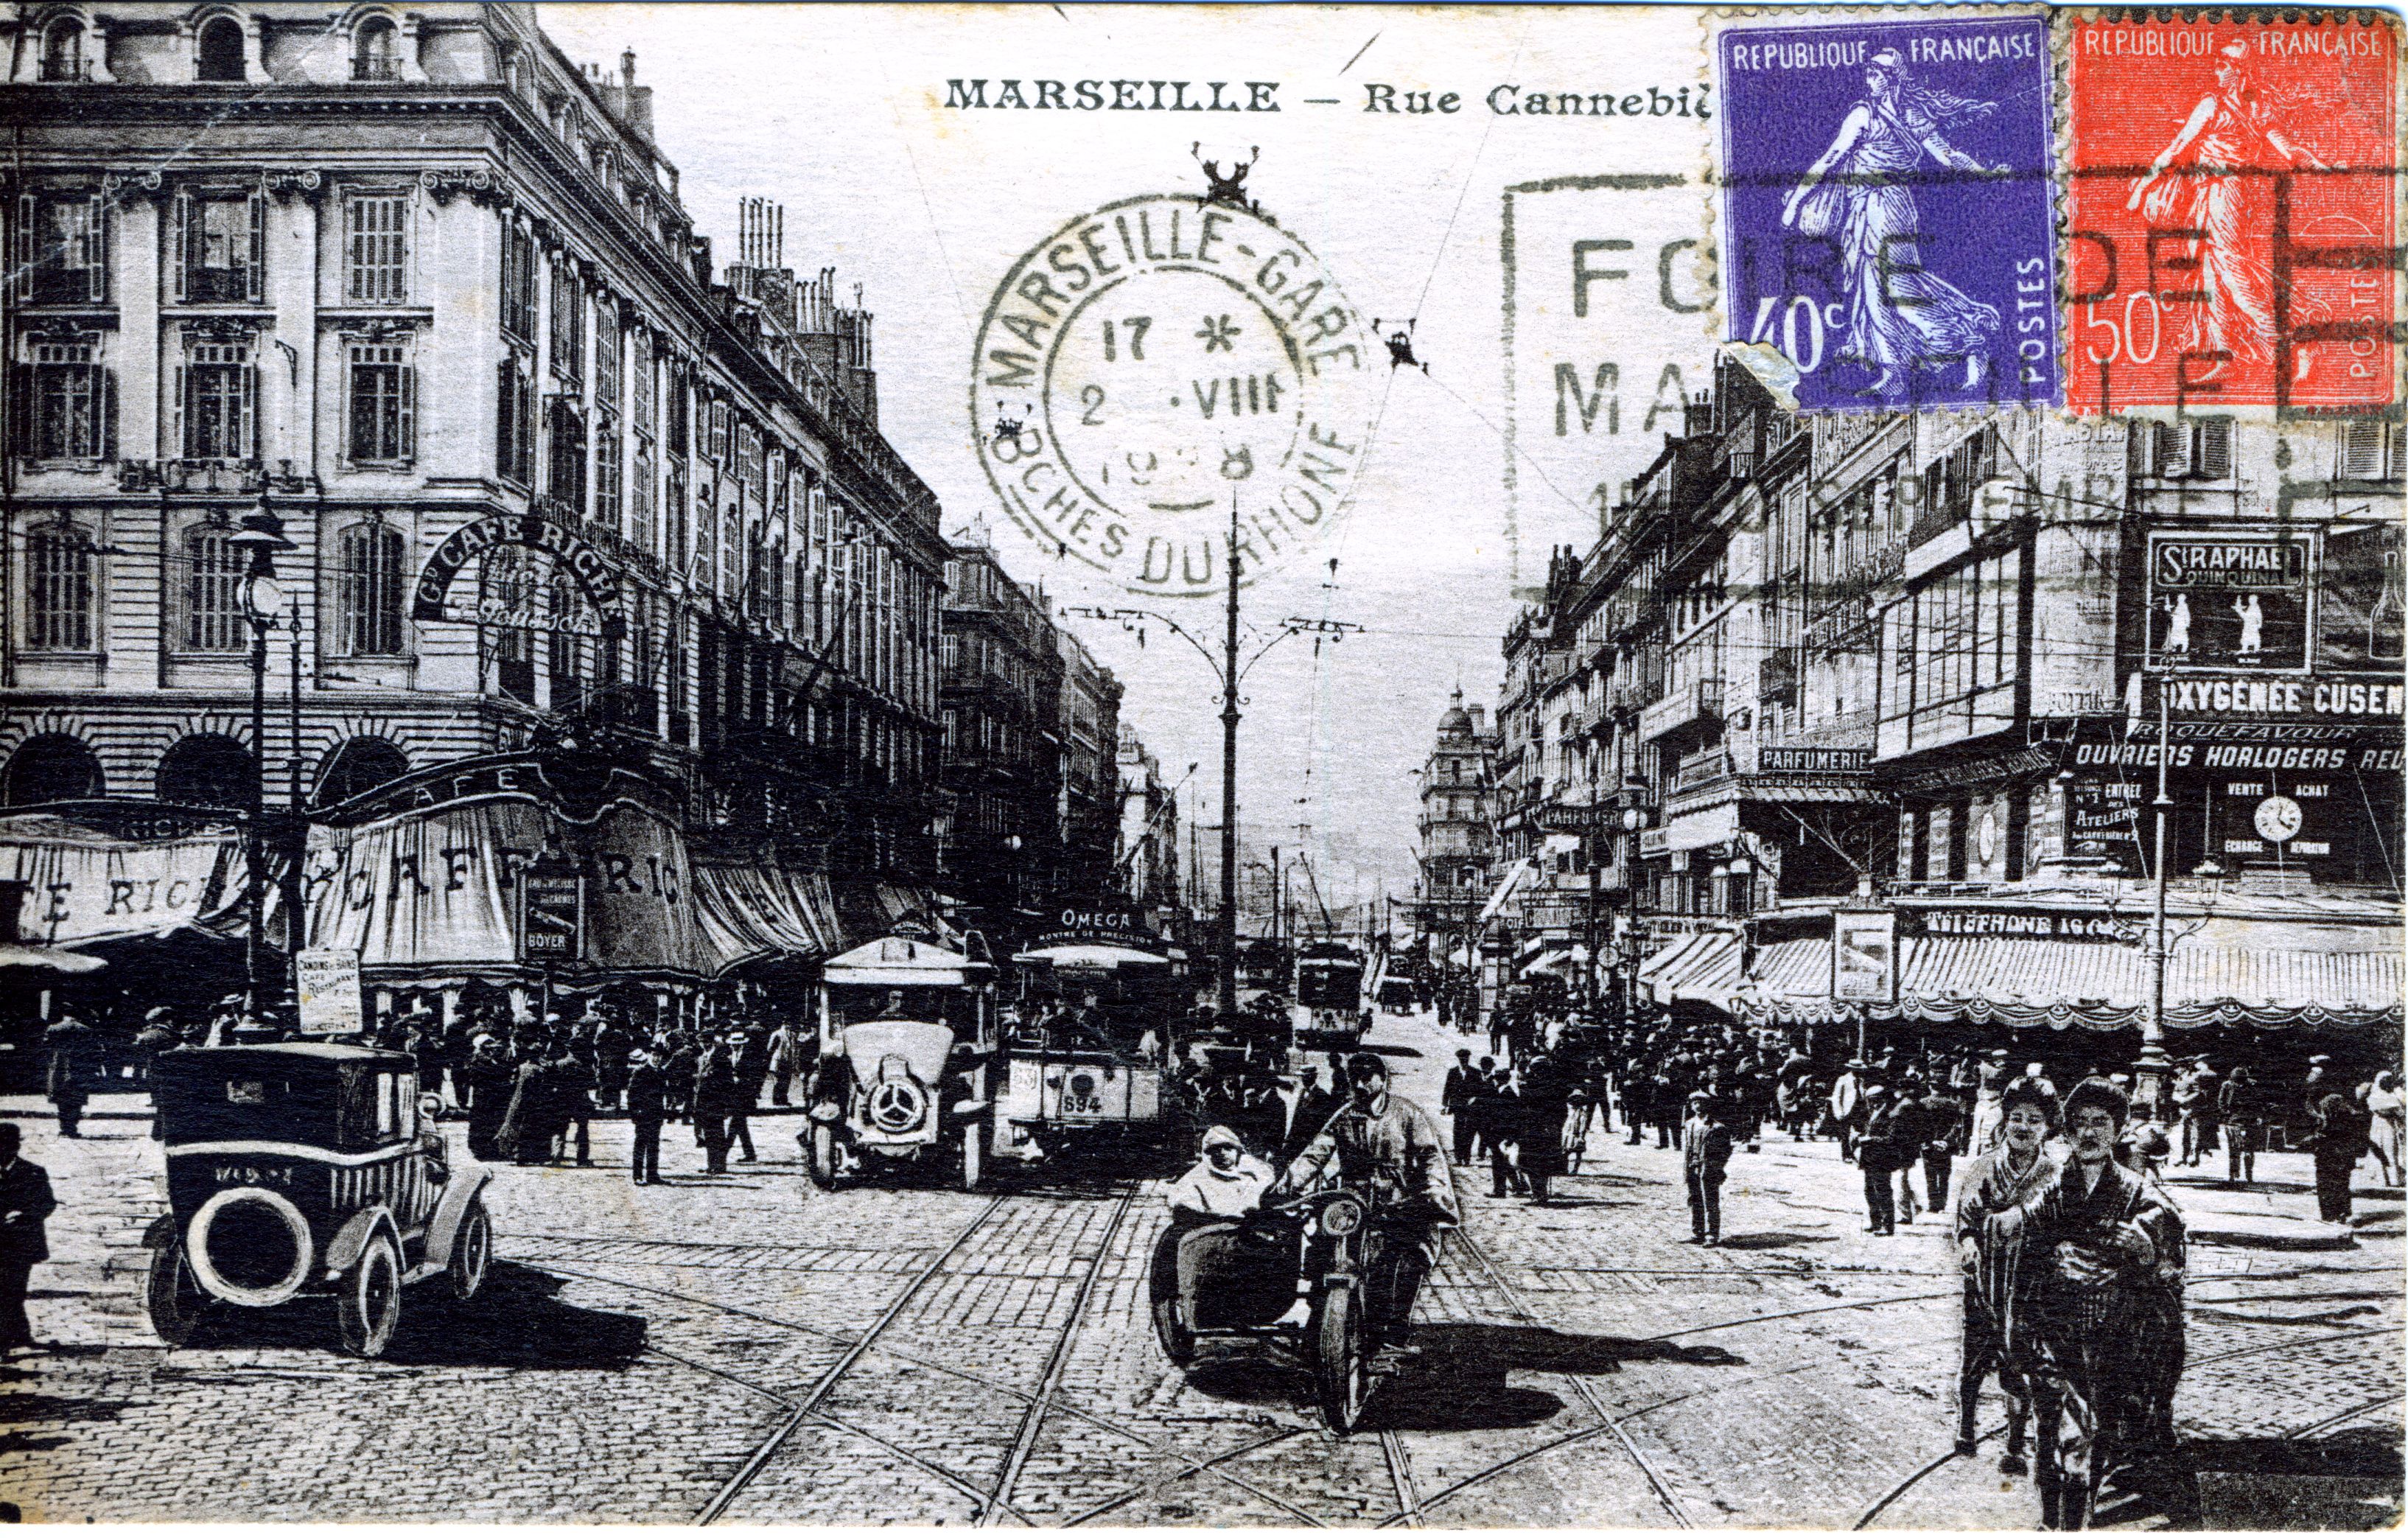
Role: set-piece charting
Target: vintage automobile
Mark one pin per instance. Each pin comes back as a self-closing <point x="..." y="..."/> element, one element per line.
<point x="906" y="1043"/>
<point x="1088" y="1060"/>
<point x="307" y="1170"/>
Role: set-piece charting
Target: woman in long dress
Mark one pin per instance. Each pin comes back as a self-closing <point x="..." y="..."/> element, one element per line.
<point x="1900" y="316"/>
<point x="2229" y="133"/>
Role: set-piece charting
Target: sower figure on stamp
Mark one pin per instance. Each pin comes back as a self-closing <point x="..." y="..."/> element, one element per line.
<point x="2230" y="134"/>
<point x="2109" y="1249"/>
<point x="1901" y="316"/>
<point x="1992" y="1209"/>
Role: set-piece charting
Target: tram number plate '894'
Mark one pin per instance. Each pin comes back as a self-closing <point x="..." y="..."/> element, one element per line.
<point x="1082" y="1105"/>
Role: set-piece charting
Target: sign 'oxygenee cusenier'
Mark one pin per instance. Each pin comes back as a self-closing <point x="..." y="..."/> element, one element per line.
<point x="906" y="1038"/>
<point x="307" y="1170"/>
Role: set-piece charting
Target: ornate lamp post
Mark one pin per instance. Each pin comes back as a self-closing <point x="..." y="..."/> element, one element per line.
<point x="262" y="534"/>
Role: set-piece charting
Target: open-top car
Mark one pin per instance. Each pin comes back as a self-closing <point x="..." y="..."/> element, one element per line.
<point x="907" y="1041"/>
<point x="307" y="1170"/>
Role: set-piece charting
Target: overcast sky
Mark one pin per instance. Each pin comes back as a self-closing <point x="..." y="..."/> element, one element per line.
<point x="837" y="113"/>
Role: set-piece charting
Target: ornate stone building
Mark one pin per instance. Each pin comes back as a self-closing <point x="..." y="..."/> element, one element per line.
<point x="413" y="291"/>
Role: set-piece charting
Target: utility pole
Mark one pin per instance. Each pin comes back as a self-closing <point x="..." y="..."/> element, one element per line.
<point x="1229" y="783"/>
<point x="2149" y="1072"/>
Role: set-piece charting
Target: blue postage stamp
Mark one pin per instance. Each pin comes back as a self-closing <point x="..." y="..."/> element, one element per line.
<point x="1888" y="222"/>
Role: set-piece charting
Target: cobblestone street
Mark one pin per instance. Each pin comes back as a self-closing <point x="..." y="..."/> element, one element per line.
<point x="744" y="1347"/>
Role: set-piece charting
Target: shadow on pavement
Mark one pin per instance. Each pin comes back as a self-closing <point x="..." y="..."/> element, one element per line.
<point x="2348" y="1482"/>
<point x="1776" y="1238"/>
<point x="1459" y="1381"/>
<point x="514" y="1321"/>
<point x="18" y="1410"/>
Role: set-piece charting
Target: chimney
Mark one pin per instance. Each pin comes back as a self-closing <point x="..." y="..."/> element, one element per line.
<point x="635" y="102"/>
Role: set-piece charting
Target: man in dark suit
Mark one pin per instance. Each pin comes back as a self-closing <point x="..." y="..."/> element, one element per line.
<point x="74" y="1056"/>
<point x="1705" y="1159"/>
<point x="25" y="1202"/>
<point x="1463" y="1085"/>
<point x="647" y="1107"/>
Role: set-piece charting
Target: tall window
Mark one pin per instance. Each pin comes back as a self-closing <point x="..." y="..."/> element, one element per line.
<point x="518" y="282"/>
<point x="606" y="353"/>
<point x="222" y="243"/>
<point x="565" y="470"/>
<point x="60" y="255"/>
<point x="646" y="410"/>
<point x="375" y="51"/>
<point x="384" y="403"/>
<point x="219" y="398"/>
<point x="62" y="52"/>
<point x="674" y="535"/>
<point x="369" y="585"/>
<point x="213" y="576"/>
<point x="73" y="406"/>
<point x="376" y="251"/>
<point x="221" y="51"/>
<point x="681" y="413"/>
<point x="58" y="569"/>
<point x="607" y="449"/>
<point x="568" y="321"/>
<point x="514" y="422"/>
<point x="645" y="505"/>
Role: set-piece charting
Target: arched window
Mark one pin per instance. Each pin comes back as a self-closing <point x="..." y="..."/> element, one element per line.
<point x="63" y="51"/>
<point x="207" y="769"/>
<point x="213" y="572"/>
<point x="369" y="585"/>
<point x="221" y="49"/>
<point x="51" y="766"/>
<point x="356" y="766"/>
<point x="375" y="51"/>
<point x="58" y="588"/>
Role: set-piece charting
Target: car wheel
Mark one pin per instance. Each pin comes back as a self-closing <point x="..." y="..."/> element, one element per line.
<point x="171" y="1295"/>
<point x="821" y="1156"/>
<point x="368" y="1306"/>
<point x="472" y="1251"/>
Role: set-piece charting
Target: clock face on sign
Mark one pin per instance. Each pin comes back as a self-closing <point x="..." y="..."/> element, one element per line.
<point x="2278" y="818"/>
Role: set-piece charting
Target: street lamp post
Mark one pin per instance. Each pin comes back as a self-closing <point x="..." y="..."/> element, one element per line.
<point x="1230" y="672"/>
<point x="2150" y="1070"/>
<point x="262" y="534"/>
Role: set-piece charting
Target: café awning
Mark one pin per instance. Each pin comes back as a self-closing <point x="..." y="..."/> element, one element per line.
<point x="1506" y="886"/>
<point x="748" y="913"/>
<point x="88" y="886"/>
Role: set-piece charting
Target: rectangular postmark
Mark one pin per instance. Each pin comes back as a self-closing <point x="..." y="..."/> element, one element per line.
<point x="2231" y="181"/>
<point x="1888" y="226"/>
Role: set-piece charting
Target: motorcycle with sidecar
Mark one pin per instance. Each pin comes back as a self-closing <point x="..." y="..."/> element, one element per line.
<point x="1240" y="1281"/>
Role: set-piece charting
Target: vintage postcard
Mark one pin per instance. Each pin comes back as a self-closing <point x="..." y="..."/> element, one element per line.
<point x="1603" y="767"/>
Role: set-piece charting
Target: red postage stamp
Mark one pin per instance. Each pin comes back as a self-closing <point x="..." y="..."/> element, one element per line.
<point x="2230" y="192"/>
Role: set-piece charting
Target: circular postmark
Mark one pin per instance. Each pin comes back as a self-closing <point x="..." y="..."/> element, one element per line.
<point x="1150" y="367"/>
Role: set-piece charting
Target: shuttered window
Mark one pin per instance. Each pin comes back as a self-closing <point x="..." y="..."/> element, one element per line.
<point x="384" y="403"/>
<point x="58" y="560"/>
<point x="369" y="584"/>
<point x="218" y="397"/>
<point x="213" y="576"/>
<point x="222" y="248"/>
<point x="376" y="255"/>
<point x="73" y="403"/>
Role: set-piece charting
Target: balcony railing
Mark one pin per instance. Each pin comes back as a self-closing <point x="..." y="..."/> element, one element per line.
<point x="1700" y="700"/>
<point x="213" y="477"/>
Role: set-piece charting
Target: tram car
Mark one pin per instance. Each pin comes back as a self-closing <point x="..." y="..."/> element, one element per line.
<point x="907" y="1045"/>
<point x="306" y="1170"/>
<point x="1092" y="1056"/>
<point x="1329" y="992"/>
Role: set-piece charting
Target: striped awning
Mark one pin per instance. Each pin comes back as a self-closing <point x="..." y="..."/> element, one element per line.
<point x="2270" y="975"/>
<point x="1703" y="968"/>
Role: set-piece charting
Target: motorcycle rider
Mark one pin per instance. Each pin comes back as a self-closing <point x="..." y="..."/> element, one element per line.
<point x="1390" y="1150"/>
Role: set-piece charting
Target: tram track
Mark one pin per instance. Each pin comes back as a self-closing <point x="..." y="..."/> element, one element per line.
<point x="1035" y="1400"/>
<point x="804" y="1407"/>
<point x="1579" y="1388"/>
